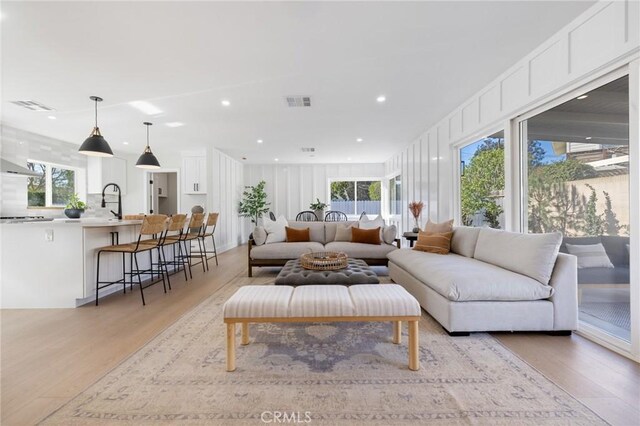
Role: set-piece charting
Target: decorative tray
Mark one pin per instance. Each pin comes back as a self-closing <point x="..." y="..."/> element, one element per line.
<point x="324" y="260"/>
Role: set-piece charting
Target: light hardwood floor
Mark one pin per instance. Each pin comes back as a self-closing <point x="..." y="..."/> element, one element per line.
<point x="50" y="355"/>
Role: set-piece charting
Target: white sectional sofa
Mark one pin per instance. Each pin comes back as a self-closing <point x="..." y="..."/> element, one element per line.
<point x="493" y="281"/>
<point x="322" y="236"/>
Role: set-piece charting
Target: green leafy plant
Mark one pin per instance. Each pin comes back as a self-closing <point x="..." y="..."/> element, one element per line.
<point x="318" y="205"/>
<point x="254" y="202"/>
<point x="75" y="203"/>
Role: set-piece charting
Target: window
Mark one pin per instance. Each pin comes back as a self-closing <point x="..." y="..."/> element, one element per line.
<point x="395" y="195"/>
<point x="356" y="196"/>
<point x="482" y="182"/>
<point x="54" y="186"/>
<point x="577" y="183"/>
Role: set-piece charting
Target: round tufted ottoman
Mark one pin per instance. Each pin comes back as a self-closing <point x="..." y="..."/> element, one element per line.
<point x="356" y="272"/>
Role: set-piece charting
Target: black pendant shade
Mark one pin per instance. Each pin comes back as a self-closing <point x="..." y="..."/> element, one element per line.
<point x="95" y="145"/>
<point x="147" y="160"/>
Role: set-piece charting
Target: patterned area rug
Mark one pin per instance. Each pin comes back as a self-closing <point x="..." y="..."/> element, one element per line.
<point x="329" y="374"/>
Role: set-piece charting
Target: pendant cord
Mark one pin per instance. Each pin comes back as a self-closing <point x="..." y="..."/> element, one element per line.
<point x="96" y="109"/>
<point x="147" y="136"/>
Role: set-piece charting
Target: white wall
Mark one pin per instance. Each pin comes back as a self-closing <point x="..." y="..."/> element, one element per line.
<point x="602" y="39"/>
<point x="225" y="189"/>
<point x="292" y="187"/>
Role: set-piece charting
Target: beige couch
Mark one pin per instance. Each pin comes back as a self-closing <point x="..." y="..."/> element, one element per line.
<point x="322" y="235"/>
<point x="493" y="281"/>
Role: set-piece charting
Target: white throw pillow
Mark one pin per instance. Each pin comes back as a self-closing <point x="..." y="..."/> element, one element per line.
<point x="590" y="255"/>
<point x="389" y="234"/>
<point x="259" y="235"/>
<point x="366" y="223"/>
<point x="343" y="232"/>
<point x="276" y="232"/>
<point x="378" y="222"/>
<point x="533" y="255"/>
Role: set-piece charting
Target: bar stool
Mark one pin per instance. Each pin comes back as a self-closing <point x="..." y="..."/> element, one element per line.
<point x="176" y="227"/>
<point x="193" y="232"/>
<point x="152" y="225"/>
<point x="212" y="221"/>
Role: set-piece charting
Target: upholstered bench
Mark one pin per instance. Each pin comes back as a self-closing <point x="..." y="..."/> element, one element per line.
<point x="322" y="303"/>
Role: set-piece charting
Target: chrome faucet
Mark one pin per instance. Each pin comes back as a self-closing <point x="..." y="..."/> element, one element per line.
<point x="104" y="203"/>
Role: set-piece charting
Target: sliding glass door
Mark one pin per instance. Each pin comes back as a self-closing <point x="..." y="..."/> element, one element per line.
<point x="576" y="181"/>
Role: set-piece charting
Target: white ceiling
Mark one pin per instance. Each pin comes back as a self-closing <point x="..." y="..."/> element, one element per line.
<point x="185" y="57"/>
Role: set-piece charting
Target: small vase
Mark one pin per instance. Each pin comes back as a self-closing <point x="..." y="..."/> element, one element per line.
<point x="416" y="226"/>
<point x="319" y="214"/>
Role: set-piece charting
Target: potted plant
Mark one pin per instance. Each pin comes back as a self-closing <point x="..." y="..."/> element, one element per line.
<point x="318" y="208"/>
<point x="415" y="207"/>
<point x="75" y="208"/>
<point x="254" y="202"/>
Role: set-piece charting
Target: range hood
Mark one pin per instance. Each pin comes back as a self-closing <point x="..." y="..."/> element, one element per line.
<point x="8" y="168"/>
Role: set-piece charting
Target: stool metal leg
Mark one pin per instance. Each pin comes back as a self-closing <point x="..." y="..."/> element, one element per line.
<point x="135" y="257"/>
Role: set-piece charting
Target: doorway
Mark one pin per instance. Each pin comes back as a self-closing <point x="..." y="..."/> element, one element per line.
<point x="162" y="193"/>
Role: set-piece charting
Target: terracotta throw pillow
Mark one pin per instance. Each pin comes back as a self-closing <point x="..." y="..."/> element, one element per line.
<point x="365" y="236"/>
<point x="297" y="235"/>
<point x="439" y="243"/>
<point x="437" y="228"/>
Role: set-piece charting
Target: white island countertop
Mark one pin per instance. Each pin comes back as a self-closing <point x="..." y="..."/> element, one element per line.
<point x="93" y="222"/>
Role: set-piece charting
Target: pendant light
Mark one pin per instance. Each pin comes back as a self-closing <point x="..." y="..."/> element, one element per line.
<point x="95" y="145"/>
<point x="147" y="160"/>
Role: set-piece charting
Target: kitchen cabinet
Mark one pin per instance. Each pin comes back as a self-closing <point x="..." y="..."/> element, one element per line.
<point x="101" y="171"/>
<point x="194" y="175"/>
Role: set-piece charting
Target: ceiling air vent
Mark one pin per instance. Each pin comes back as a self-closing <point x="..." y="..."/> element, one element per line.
<point x="32" y="105"/>
<point x="308" y="150"/>
<point x="298" y="101"/>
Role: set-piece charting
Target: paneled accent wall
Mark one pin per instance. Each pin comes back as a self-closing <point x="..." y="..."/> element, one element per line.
<point x="226" y="183"/>
<point x="604" y="38"/>
<point x="292" y="187"/>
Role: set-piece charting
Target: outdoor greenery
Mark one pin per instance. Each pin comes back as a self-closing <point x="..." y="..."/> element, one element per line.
<point x="482" y="183"/>
<point x="343" y="190"/>
<point x="254" y="202"/>
<point x="555" y="204"/>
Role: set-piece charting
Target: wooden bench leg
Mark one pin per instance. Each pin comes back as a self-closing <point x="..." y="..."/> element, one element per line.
<point x="231" y="346"/>
<point x="414" y="358"/>
<point x="397" y="332"/>
<point x="245" y="333"/>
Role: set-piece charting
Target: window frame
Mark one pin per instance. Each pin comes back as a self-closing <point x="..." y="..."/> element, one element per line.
<point x="48" y="186"/>
<point x="355" y="180"/>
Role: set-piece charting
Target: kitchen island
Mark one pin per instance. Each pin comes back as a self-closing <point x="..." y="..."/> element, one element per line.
<point x="52" y="264"/>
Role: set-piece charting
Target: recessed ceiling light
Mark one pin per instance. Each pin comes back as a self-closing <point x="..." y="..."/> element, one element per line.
<point x="146" y="107"/>
<point x="583" y="97"/>
<point x="174" y="124"/>
<point x="588" y="138"/>
<point x="259" y="141"/>
<point x="381" y="98"/>
<point x="225" y="102"/>
<point x="275" y="159"/>
<point x="125" y="143"/>
<point x="359" y="140"/>
<point x="52" y="117"/>
<point x="348" y="158"/>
